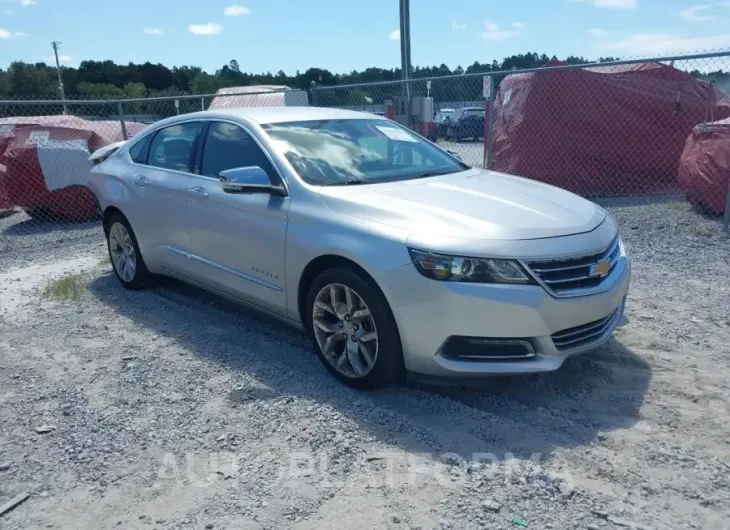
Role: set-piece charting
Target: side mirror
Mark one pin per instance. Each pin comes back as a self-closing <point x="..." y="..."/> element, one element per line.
<point x="251" y="179"/>
<point x="455" y="154"/>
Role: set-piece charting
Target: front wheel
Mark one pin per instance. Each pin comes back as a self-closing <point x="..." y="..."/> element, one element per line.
<point x="354" y="331"/>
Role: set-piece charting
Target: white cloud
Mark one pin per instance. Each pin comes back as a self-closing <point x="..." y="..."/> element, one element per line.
<point x="152" y="31"/>
<point x="661" y="43"/>
<point x="597" y="32"/>
<point x="697" y="13"/>
<point x="519" y="25"/>
<point x="211" y="28"/>
<point x="458" y="26"/>
<point x="494" y="34"/>
<point x="61" y="59"/>
<point x="236" y="10"/>
<point x="394" y="35"/>
<point x="25" y="3"/>
<point x="610" y="4"/>
<point x="6" y="34"/>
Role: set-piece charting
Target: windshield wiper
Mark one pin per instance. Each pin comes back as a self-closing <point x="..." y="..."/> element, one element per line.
<point x="349" y="182"/>
<point x="433" y="173"/>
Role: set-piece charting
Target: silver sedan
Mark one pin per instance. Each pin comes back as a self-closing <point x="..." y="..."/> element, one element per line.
<point x="393" y="255"/>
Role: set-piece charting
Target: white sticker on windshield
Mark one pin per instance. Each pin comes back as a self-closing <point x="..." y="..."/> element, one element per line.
<point x="396" y="134"/>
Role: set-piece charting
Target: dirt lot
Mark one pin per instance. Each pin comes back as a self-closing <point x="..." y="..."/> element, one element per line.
<point x="170" y="409"/>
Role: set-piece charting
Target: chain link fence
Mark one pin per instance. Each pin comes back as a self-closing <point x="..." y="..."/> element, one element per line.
<point x="622" y="129"/>
<point x="45" y="148"/>
<point x="648" y="128"/>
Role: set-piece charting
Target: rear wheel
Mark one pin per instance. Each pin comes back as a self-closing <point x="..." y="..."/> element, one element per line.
<point x="124" y="254"/>
<point x="354" y="331"/>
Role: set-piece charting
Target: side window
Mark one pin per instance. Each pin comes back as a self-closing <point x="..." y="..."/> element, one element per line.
<point x="228" y="146"/>
<point x="139" y="151"/>
<point x="172" y="146"/>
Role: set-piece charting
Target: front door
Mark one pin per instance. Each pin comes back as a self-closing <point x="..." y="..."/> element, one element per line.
<point x="237" y="241"/>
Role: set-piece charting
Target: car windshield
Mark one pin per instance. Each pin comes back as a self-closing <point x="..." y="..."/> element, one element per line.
<point x="358" y="151"/>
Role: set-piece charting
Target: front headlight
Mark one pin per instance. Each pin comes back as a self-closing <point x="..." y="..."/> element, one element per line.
<point x="621" y="247"/>
<point x="475" y="270"/>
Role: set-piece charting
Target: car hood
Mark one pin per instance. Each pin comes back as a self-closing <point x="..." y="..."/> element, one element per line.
<point x="474" y="204"/>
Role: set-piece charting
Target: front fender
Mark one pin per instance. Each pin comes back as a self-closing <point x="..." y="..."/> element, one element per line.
<point x="374" y="247"/>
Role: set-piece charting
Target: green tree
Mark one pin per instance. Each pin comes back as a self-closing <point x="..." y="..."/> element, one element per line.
<point x="100" y="91"/>
<point x="207" y="84"/>
<point x="27" y="80"/>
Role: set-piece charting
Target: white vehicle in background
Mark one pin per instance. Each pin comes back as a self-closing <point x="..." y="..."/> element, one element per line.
<point x="258" y="96"/>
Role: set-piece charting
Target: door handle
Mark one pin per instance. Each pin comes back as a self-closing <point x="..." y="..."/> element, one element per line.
<point x="199" y="191"/>
<point x="140" y="181"/>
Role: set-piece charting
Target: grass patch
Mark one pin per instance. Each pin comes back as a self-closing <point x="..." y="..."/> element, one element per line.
<point x="703" y="231"/>
<point x="66" y="288"/>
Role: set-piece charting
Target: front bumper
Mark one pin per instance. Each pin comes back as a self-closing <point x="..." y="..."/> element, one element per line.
<point x="428" y="312"/>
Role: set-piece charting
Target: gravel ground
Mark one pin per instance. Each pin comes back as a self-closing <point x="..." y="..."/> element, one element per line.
<point x="23" y="240"/>
<point x="172" y="409"/>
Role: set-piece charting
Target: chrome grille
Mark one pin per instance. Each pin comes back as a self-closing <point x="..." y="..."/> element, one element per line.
<point x="566" y="277"/>
<point x="585" y="334"/>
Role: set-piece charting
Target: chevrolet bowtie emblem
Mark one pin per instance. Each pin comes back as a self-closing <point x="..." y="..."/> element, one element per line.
<point x="601" y="269"/>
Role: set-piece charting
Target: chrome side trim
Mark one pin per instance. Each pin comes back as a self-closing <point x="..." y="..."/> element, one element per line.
<point x="224" y="268"/>
<point x="178" y="251"/>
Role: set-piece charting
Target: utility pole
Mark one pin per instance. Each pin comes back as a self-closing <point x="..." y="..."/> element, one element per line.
<point x="60" y="79"/>
<point x="405" y="54"/>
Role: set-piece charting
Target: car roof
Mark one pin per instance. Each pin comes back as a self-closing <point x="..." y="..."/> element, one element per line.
<point x="264" y="115"/>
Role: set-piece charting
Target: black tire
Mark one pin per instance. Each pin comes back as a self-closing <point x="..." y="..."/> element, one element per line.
<point x="142" y="277"/>
<point x="388" y="368"/>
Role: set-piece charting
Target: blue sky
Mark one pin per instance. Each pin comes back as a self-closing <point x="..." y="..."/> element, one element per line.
<point x="342" y="35"/>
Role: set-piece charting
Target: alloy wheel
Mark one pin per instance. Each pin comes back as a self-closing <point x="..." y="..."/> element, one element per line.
<point x="345" y="330"/>
<point x="121" y="249"/>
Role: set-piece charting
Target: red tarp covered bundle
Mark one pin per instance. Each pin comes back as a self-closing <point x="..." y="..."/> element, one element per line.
<point x="46" y="162"/>
<point x="601" y="131"/>
<point x="704" y="169"/>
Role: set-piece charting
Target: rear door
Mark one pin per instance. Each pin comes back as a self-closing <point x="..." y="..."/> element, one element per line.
<point x="161" y="170"/>
<point x="237" y="240"/>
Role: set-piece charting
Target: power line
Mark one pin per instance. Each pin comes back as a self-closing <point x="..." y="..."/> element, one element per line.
<point x="60" y="79"/>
